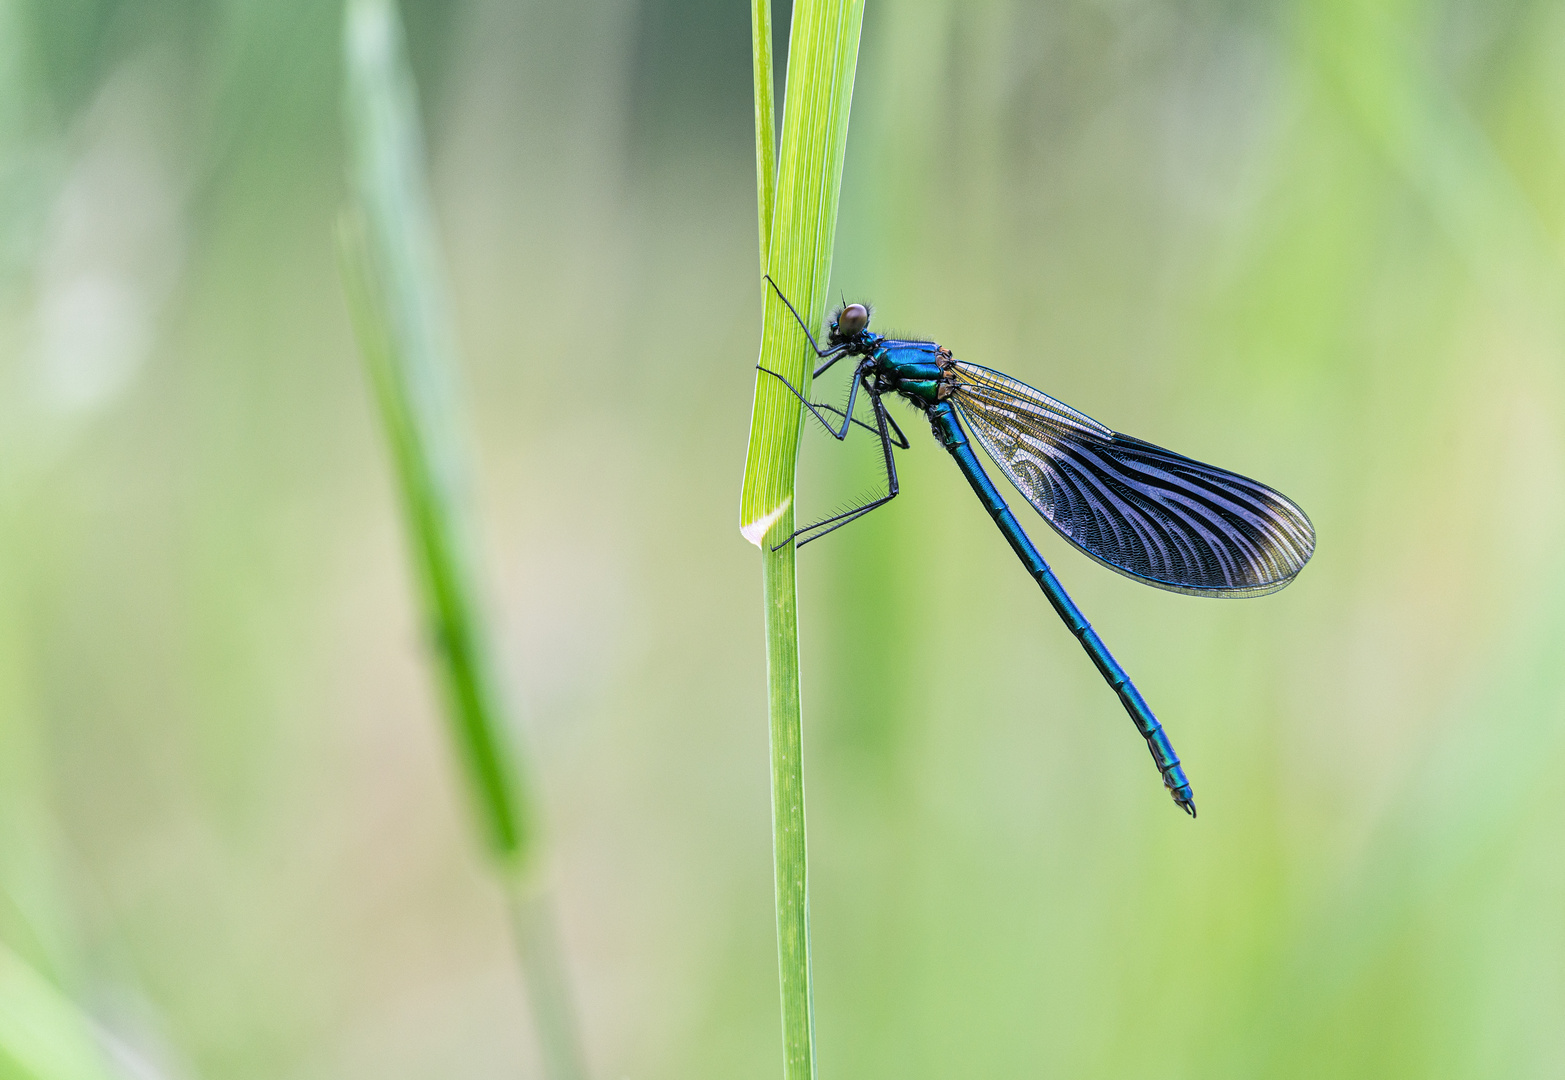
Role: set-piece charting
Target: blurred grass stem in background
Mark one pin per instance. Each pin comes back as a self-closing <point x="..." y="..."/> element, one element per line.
<point x="797" y="211"/>
<point x="396" y="294"/>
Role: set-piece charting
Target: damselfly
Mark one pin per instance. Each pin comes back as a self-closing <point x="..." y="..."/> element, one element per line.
<point x="1148" y="513"/>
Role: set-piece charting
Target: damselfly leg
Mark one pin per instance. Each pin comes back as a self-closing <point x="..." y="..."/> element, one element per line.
<point x="883" y="423"/>
<point x="884" y="428"/>
<point x="835" y="352"/>
<point x="816" y="406"/>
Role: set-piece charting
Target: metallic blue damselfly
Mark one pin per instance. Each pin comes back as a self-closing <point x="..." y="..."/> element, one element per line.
<point x="1148" y="513"/>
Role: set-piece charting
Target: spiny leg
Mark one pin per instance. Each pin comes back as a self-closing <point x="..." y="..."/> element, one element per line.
<point x="856" y="420"/>
<point x="898" y="439"/>
<point x="837" y="521"/>
<point x="900" y="442"/>
<point x="815" y="407"/>
<point x="831" y="355"/>
<point x="799" y="319"/>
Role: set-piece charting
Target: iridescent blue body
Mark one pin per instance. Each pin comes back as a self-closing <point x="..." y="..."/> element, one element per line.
<point x="1153" y="515"/>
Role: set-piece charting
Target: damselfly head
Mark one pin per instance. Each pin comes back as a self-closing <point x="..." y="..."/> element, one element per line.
<point x="848" y="321"/>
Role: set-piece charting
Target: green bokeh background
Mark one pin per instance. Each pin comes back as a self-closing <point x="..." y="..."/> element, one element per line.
<point x="1321" y="243"/>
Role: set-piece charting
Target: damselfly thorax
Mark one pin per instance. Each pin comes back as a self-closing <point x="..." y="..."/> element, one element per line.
<point x="922" y="372"/>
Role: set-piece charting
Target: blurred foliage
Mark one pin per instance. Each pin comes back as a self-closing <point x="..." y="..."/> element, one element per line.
<point x="1318" y="243"/>
<point x="42" y="1035"/>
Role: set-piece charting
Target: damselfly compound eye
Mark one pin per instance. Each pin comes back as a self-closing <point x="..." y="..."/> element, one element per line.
<point x="854" y="318"/>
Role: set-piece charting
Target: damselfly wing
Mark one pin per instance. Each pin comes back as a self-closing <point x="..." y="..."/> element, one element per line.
<point x="1149" y="513"/>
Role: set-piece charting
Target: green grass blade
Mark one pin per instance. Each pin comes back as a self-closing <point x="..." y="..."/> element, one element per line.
<point x="391" y="273"/>
<point x="823" y="52"/>
<point x="765" y="122"/>
<point x="797" y="249"/>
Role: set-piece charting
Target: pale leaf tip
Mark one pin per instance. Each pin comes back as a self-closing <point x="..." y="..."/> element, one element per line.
<point x="755" y="531"/>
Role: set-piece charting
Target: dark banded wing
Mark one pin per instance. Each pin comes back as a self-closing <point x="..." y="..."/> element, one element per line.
<point x="1149" y="513"/>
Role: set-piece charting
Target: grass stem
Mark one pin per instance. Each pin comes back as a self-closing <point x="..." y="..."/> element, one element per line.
<point x="798" y="214"/>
